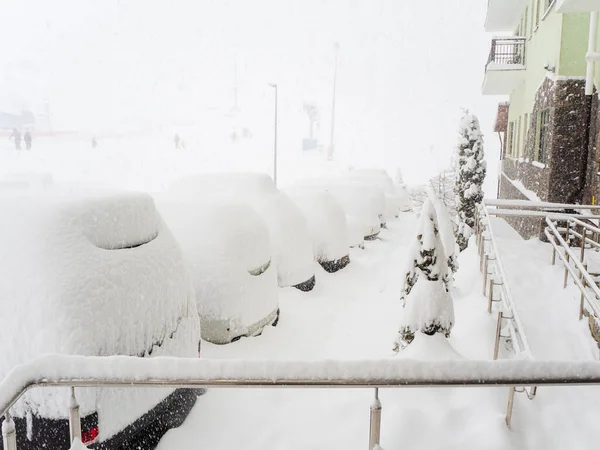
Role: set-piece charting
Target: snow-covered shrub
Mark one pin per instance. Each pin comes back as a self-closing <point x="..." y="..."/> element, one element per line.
<point x="446" y="231"/>
<point x="94" y="274"/>
<point x="396" y="195"/>
<point x="291" y="243"/>
<point x="470" y="174"/>
<point x="228" y="248"/>
<point x="425" y="294"/>
<point x="327" y="224"/>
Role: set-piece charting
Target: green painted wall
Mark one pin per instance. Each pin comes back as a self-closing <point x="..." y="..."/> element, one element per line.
<point x="543" y="46"/>
<point x="573" y="46"/>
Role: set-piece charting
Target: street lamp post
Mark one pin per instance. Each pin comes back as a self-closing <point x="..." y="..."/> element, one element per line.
<point x="274" y="86"/>
<point x="336" y="46"/>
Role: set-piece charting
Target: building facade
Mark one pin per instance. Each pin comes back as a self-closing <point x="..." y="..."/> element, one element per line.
<point x="551" y="129"/>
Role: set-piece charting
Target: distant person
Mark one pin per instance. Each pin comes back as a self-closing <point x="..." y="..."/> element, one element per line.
<point x="177" y="141"/>
<point x="94" y="142"/>
<point x="16" y="135"/>
<point x="27" y="139"/>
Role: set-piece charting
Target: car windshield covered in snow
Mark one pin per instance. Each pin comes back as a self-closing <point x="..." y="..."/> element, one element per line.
<point x="287" y="195"/>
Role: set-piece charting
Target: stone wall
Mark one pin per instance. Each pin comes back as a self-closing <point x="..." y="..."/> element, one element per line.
<point x="528" y="227"/>
<point x="568" y="148"/>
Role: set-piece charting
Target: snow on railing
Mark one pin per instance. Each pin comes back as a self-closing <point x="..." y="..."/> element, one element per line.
<point x="129" y="372"/>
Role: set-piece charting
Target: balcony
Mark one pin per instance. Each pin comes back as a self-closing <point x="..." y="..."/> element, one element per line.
<point x="505" y="68"/>
<point x="504" y="15"/>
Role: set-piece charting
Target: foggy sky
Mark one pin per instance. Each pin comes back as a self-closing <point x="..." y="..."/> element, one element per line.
<point x="406" y="68"/>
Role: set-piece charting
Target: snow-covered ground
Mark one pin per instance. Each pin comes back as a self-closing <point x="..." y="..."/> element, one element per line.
<point x="354" y="314"/>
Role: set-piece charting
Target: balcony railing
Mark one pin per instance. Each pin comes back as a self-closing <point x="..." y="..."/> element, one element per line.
<point x="506" y="52"/>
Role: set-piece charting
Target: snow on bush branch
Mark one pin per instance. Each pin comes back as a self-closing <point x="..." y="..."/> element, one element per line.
<point x="425" y="294"/>
<point x="470" y="173"/>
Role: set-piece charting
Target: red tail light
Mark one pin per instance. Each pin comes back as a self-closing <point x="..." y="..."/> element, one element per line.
<point x="90" y="436"/>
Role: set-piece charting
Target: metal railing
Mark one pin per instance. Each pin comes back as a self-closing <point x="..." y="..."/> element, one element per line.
<point x="575" y="265"/>
<point x="507" y="51"/>
<point x="129" y="372"/>
<point x="497" y="289"/>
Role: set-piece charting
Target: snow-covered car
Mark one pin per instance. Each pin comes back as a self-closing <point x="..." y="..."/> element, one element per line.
<point x="328" y="227"/>
<point x="290" y="237"/>
<point x="227" y="246"/>
<point x="364" y="204"/>
<point x="93" y="274"/>
<point x="396" y="195"/>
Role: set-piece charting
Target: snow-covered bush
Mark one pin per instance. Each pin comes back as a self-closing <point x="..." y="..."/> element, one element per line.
<point x="425" y="294"/>
<point x="327" y="224"/>
<point x="227" y="246"/>
<point x="292" y="248"/>
<point x="470" y="174"/>
<point x="94" y="274"/>
<point x="446" y="231"/>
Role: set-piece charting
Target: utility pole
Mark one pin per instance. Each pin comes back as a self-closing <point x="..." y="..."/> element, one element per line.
<point x="274" y="86"/>
<point x="336" y="47"/>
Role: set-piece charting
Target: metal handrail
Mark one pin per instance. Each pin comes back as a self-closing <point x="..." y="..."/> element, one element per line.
<point x="515" y="328"/>
<point x="514" y="322"/>
<point x="129" y="372"/>
<point x="570" y="258"/>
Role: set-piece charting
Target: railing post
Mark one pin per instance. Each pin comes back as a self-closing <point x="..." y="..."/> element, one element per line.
<point x="553" y="255"/>
<point x="491" y="294"/>
<point x="375" y="423"/>
<point x="482" y="252"/>
<point x="498" y="333"/>
<point x="9" y="433"/>
<point x="485" y="272"/>
<point x="74" y="417"/>
<point x="566" y="270"/>
<point x="581" y="300"/>
<point x="583" y="239"/>
<point x="509" y="407"/>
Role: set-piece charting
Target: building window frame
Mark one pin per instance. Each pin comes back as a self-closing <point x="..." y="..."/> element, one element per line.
<point x="509" y="144"/>
<point x="537" y="13"/>
<point x="542" y="135"/>
<point x="525" y="131"/>
<point x="518" y="134"/>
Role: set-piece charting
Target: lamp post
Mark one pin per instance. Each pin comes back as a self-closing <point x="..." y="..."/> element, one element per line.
<point x="274" y="86"/>
<point x="336" y="47"/>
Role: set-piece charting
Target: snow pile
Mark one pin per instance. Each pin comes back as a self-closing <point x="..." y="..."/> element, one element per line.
<point x="290" y="236"/>
<point x="228" y="248"/>
<point x="363" y="203"/>
<point x="327" y="223"/>
<point x="428" y="304"/>
<point x="75" y="258"/>
<point x="430" y="348"/>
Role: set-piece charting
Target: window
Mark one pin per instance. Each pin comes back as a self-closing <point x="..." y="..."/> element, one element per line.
<point x="542" y="135"/>
<point x="509" y="144"/>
